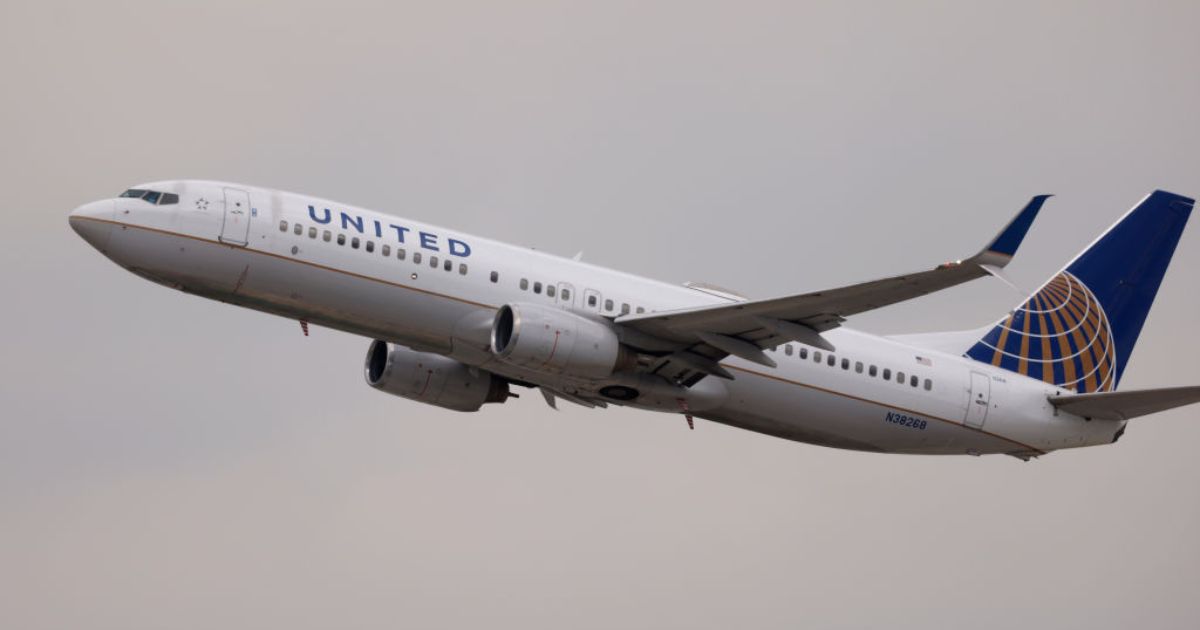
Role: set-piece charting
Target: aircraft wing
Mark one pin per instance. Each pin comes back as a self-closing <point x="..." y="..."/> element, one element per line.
<point x="1127" y="404"/>
<point x="743" y="329"/>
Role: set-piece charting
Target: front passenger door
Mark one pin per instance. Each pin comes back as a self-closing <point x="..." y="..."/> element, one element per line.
<point x="235" y="229"/>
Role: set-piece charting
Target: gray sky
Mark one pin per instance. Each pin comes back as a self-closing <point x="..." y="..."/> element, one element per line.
<point x="170" y="462"/>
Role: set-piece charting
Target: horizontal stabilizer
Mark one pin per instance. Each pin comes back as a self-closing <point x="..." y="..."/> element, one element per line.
<point x="1127" y="404"/>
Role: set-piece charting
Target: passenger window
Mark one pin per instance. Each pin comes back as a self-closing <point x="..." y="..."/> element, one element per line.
<point x="608" y="305"/>
<point x="887" y="374"/>
<point x="416" y="258"/>
<point x="400" y="253"/>
<point x="298" y="229"/>
<point x="433" y="262"/>
<point x="462" y="269"/>
<point x="816" y="356"/>
<point x="845" y="364"/>
<point x="326" y="236"/>
<point x="524" y="284"/>
<point x="341" y="239"/>
<point x="624" y="308"/>
<point x="370" y="246"/>
<point x="872" y="371"/>
<point x="566" y="295"/>
<point x="592" y="301"/>
<point x="788" y="350"/>
<point x="354" y="242"/>
<point x="550" y="290"/>
<point x="447" y="265"/>
<point x="858" y="367"/>
<point x="900" y="377"/>
<point x="912" y="380"/>
<point x="495" y="277"/>
<point x="283" y="226"/>
<point x="928" y="384"/>
<point x="803" y="352"/>
<point x="640" y="310"/>
<point x="830" y="360"/>
<point x="386" y="251"/>
<point x="537" y="288"/>
<point x="312" y="232"/>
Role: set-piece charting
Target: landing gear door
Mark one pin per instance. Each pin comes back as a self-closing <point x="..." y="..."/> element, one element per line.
<point x="979" y="399"/>
<point x="235" y="229"/>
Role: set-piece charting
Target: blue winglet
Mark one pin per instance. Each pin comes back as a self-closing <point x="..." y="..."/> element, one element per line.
<point x="1010" y="237"/>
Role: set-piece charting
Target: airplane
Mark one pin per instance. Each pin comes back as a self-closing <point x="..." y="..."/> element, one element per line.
<point x="458" y="321"/>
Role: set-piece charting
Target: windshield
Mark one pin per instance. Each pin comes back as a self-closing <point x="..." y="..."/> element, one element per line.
<point x="151" y="196"/>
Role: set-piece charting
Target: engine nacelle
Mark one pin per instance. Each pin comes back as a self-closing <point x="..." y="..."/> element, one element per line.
<point x="552" y="340"/>
<point x="431" y="378"/>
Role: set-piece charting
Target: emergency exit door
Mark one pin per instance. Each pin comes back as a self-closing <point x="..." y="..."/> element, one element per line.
<point x="566" y="295"/>
<point x="235" y="229"/>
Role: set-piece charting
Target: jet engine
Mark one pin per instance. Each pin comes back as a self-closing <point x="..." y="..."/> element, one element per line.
<point x="431" y="378"/>
<point x="552" y="340"/>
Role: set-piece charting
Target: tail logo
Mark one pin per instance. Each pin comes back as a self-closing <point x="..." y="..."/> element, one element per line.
<point x="1061" y="335"/>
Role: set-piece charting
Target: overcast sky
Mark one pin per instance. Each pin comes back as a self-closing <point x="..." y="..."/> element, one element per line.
<point x="171" y="462"/>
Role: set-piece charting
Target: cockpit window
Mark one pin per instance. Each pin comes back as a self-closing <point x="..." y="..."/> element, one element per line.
<point x="151" y="196"/>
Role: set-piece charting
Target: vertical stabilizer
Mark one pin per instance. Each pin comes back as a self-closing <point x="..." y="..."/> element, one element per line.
<point x="1079" y="329"/>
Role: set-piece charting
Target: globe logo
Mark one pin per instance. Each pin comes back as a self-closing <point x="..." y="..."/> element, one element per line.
<point x="1060" y="335"/>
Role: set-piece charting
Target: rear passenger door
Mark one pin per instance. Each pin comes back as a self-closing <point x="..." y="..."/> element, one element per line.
<point x="980" y="398"/>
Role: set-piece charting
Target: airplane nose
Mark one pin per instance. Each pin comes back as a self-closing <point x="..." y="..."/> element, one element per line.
<point x="94" y="222"/>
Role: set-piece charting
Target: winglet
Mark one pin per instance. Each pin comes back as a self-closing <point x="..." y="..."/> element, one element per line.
<point x="1006" y="243"/>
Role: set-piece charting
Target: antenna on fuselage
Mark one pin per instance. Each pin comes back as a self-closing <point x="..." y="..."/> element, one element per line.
<point x="687" y="413"/>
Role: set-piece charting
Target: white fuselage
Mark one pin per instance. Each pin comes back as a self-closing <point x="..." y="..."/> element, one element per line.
<point x="273" y="256"/>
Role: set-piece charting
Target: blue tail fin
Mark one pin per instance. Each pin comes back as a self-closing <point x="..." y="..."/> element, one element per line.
<point x="1079" y="329"/>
